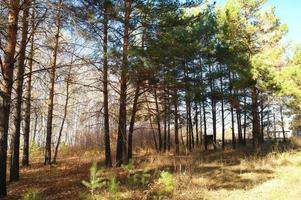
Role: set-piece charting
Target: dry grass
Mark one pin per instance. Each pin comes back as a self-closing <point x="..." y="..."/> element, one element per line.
<point x="232" y="174"/>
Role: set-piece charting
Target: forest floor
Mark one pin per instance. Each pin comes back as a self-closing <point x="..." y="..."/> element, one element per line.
<point x="274" y="173"/>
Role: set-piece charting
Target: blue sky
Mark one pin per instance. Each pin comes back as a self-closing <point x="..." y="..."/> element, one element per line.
<point x="289" y="12"/>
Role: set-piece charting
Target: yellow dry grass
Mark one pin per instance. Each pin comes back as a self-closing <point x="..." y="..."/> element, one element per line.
<point x="271" y="174"/>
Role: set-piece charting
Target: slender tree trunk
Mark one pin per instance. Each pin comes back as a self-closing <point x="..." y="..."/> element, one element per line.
<point x="165" y="126"/>
<point x="282" y="123"/>
<point x="188" y="125"/>
<point x="168" y="124"/>
<point x="158" y="120"/>
<point x="121" y="152"/>
<point x="191" y="126"/>
<point x="35" y="128"/>
<point x="151" y="124"/>
<point x="182" y="137"/>
<point x="176" y="122"/>
<point x="232" y="112"/>
<point x="15" y="139"/>
<point x="268" y="123"/>
<point x="261" y="123"/>
<point x="245" y="117"/>
<point x="238" y="117"/>
<point x="135" y="104"/>
<point x="239" y="129"/>
<point x="51" y="87"/>
<point x="274" y="119"/>
<point x="213" y="107"/>
<point x="223" y="111"/>
<point x="25" y="160"/>
<point x="255" y="118"/>
<point x="108" y="160"/>
<point x="187" y="128"/>
<point x="132" y="123"/>
<point x="196" y="121"/>
<point x="64" y="116"/>
<point x="205" y="125"/>
<point x="6" y="88"/>
<point x="201" y="126"/>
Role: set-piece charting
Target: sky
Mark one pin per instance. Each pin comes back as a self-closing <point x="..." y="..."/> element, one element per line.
<point x="289" y="12"/>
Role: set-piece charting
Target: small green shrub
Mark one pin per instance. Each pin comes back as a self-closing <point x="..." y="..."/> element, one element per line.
<point x="113" y="186"/>
<point x="129" y="167"/>
<point x="144" y="178"/>
<point x="95" y="182"/>
<point x="163" y="188"/>
<point x="166" y="182"/>
<point x="31" y="194"/>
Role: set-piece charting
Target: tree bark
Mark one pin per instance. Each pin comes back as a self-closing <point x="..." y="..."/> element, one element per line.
<point x="151" y="124"/>
<point x="107" y="142"/>
<point x="255" y="117"/>
<point x="282" y="123"/>
<point x="121" y="152"/>
<point x="176" y="122"/>
<point x="51" y="87"/>
<point x="245" y="117"/>
<point x="165" y="125"/>
<point x="132" y="122"/>
<point x="6" y="88"/>
<point x="15" y="139"/>
<point x="232" y="113"/>
<point x="213" y="107"/>
<point x="223" y="111"/>
<point x="25" y="160"/>
<point x="64" y="116"/>
<point x="158" y="119"/>
<point x="205" y="125"/>
<point x="196" y="121"/>
<point x="261" y="139"/>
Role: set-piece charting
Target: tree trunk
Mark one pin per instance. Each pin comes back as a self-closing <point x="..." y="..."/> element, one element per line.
<point x="51" y="87"/>
<point x="168" y="124"/>
<point x="121" y="152"/>
<point x="6" y="88"/>
<point x="268" y="123"/>
<point x="190" y="126"/>
<point x="196" y="121"/>
<point x="282" y="123"/>
<point x="261" y="140"/>
<point x="223" y="111"/>
<point x="201" y="126"/>
<point x="25" y="160"/>
<point x="205" y="125"/>
<point x="274" y="119"/>
<point x="108" y="160"/>
<point x="255" y="118"/>
<point x="232" y="113"/>
<point x="132" y="123"/>
<point x="151" y="124"/>
<point x="176" y="122"/>
<point x="213" y="107"/>
<point x="64" y="116"/>
<point x="165" y="125"/>
<point x="239" y="129"/>
<point x="245" y="117"/>
<point x="15" y="139"/>
<point x="158" y="119"/>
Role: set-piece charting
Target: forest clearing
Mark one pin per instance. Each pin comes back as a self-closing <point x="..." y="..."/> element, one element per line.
<point x="150" y="99"/>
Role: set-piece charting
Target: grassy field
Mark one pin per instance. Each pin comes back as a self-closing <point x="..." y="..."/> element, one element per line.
<point x="272" y="174"/>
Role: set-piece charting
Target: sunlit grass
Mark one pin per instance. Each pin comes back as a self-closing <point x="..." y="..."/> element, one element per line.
<point x="272" y="174"/>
